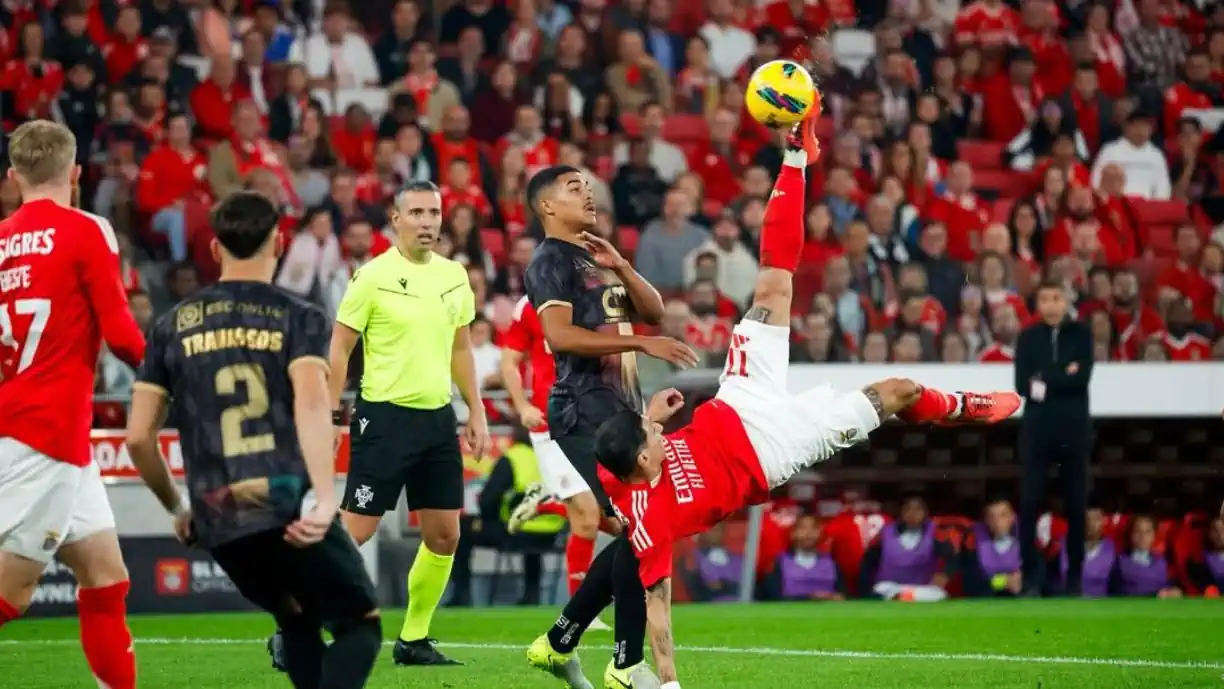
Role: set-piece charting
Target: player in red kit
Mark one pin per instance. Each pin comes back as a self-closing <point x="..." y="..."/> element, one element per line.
<point x="60" y="297"/>
<point x="754" y="435"/>
<point x="560" y="481"/>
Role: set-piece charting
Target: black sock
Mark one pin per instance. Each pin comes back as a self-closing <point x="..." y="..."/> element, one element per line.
<point x="589" y="600"/>
<point x="350" y="658"/>
<point x="630" y="597"/>
<point x="303" y="652"/>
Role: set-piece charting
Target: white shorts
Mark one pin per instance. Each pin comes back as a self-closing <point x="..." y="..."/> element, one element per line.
<point x="45" y="504"/>
<point x="789" y="432"/>
<point x="557" y="473"/>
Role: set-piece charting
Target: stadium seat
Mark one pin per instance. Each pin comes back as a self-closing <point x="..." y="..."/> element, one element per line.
<point x="685" y="128"/>
<point x="1160" y="212"/>
<point x="627" y="237"/>
<point x="494" y="241"/>
<point x="1003" y="184"/>
<point x="853" y="49"/>
<point x="982" y="155"/>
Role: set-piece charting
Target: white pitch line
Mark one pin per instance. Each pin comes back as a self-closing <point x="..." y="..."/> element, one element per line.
<point x="731" y="650"/>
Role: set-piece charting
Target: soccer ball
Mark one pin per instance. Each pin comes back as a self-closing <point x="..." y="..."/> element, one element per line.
<point x="780" y="93"/>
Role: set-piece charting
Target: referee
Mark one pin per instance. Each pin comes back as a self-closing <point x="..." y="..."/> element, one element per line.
<point x="411" y="308"/>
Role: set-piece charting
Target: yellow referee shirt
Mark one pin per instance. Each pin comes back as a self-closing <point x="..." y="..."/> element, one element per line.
<point x="407" y="314"/>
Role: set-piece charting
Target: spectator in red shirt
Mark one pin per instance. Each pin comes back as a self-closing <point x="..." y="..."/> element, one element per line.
<point x="378" y="186"/>
<point x="1133" y="320"/>
<point x="796" y="20"/>
<point x="707" y="331"/>
<point x="1185" y="277"/>
<point x="458" y="189"/>
<point x="720" y="160"/>
<point x="1196" y="91"/>
<point x="539" y="151"/>
<point x="1181" y="341"/>
<point x="150" y="110"/>
<point x="354" y="141"/>
<point x="986" y="23"/>
<point x="996" y="281"/>
<point x="1011" y="98"/>
<point x="1081" y="212"/>
<point x="1108" y="53"/>
<point x="961" y="211"/>
<point x="126" y="47"/>
<point x="1040" y="35"/>
<point x="212" y="101"/>
<point x="33" y="81"/>
<point x="1005" y="327"/>
<point x="170" y="176"/>
<point x="455" y="141"/>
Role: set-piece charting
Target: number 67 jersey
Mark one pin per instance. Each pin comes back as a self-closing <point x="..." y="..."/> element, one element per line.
<point x="224" y="358"/>
<point x="60" y="297"/>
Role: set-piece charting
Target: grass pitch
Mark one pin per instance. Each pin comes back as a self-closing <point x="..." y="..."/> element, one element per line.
<point x="1053" y="644"/>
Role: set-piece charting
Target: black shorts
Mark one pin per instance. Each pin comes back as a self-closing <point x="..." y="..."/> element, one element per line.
<point x="393" y="449"/>
<point x="580" y="451"/>
<point x="326" y="581"/>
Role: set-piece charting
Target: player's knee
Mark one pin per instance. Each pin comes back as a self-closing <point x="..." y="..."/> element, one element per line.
<point x="96" y="561"/>
<point x="584" y="516"/>
<point x="359" y="526"/>
<point x="442" y="541"/>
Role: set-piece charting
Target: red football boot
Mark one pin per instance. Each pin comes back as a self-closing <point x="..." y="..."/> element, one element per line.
<point x="985" y="408"/>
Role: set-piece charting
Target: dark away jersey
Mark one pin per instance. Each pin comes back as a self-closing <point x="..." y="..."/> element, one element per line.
<point x="223" y="357"/>
<point x="588" y="389"/>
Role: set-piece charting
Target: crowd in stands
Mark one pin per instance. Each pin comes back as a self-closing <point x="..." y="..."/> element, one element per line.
<point x="970" y="152"/>
<point x="862" y="553"/>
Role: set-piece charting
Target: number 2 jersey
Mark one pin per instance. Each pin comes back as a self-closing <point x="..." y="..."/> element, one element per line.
<point x="224" y="357"/>
<point x="710" y="471"/>
<point x="60" y="296"/>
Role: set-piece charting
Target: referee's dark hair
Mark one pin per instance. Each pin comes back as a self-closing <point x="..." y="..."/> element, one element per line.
<point x="543" y="181"/>
<point x="244" y="221"/>
<point x="619" y="441"/>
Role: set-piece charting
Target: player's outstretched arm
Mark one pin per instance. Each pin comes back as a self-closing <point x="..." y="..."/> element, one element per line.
<point x="512" y="379"/>
<point x="145" y="419"/>
<point x="557" y="322"/>
<point x="658" y="627"/>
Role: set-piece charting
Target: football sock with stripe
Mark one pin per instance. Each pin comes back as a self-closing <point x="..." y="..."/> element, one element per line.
<point x="105" y="636"/>
<point x="630" y="632"/>
<point x="932" y="405"/>
<point x="588" y="601"/>
<point x="426" y="584"/>
<point x="578" y="554"/>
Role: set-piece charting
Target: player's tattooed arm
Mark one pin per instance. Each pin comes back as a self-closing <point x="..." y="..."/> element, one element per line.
<point x="877" y="402"/>
<point x="757" y="313"/>
<point x="658" y="626"/>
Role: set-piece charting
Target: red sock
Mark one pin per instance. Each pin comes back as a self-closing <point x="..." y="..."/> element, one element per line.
<point x="782" y="231"/>
<point x="8" y="613"/>
<point x="556" y="509"/>
<point x="105" y="636"/>
<point x="578" y="554"/>
<point x="932" y="405"/>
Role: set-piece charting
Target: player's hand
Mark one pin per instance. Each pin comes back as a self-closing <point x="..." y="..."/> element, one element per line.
<point x="664" y="405"/>
<point x="313" y="525"/>
<point x="603" y="252"/>
<point x="670" y="350"/>
<point x="530" y="416"/>
<point x="476" y="433"/>
<point x="183" y="528"/>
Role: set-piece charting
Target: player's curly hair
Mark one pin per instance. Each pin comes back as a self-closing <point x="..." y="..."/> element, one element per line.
<point x="619" y="441"/>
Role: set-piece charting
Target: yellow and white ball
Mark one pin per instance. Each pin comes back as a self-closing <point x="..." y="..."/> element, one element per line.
<point x="781" y="93"/>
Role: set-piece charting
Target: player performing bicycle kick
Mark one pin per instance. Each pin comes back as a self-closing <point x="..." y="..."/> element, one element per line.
<point x="754" y="435"/>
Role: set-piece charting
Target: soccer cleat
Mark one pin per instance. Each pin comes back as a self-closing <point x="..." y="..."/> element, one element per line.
<point x="985" y="408"/>
<point x="802" y="136"/>
<point x="638" y="676"/>
<point x="420" y="652"/>
<point x="564" y="666"/>
<point x="528" y="507"/>
<point x="598" y="625"/>
<point x="276" y="650"/>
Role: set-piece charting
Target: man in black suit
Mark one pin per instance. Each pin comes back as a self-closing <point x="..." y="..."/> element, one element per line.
<point x="1053" y="369"/>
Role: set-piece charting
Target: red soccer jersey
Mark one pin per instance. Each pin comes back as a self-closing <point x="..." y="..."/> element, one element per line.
<point x="997" y="354"/>
<point x="60" y="297"/>
<point x="710" y="472"/>
<point x="472" y="196"/>
<point x="1192" y="347"/>
<point x="527" y="337"/>
<point x="979" y="24"/>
